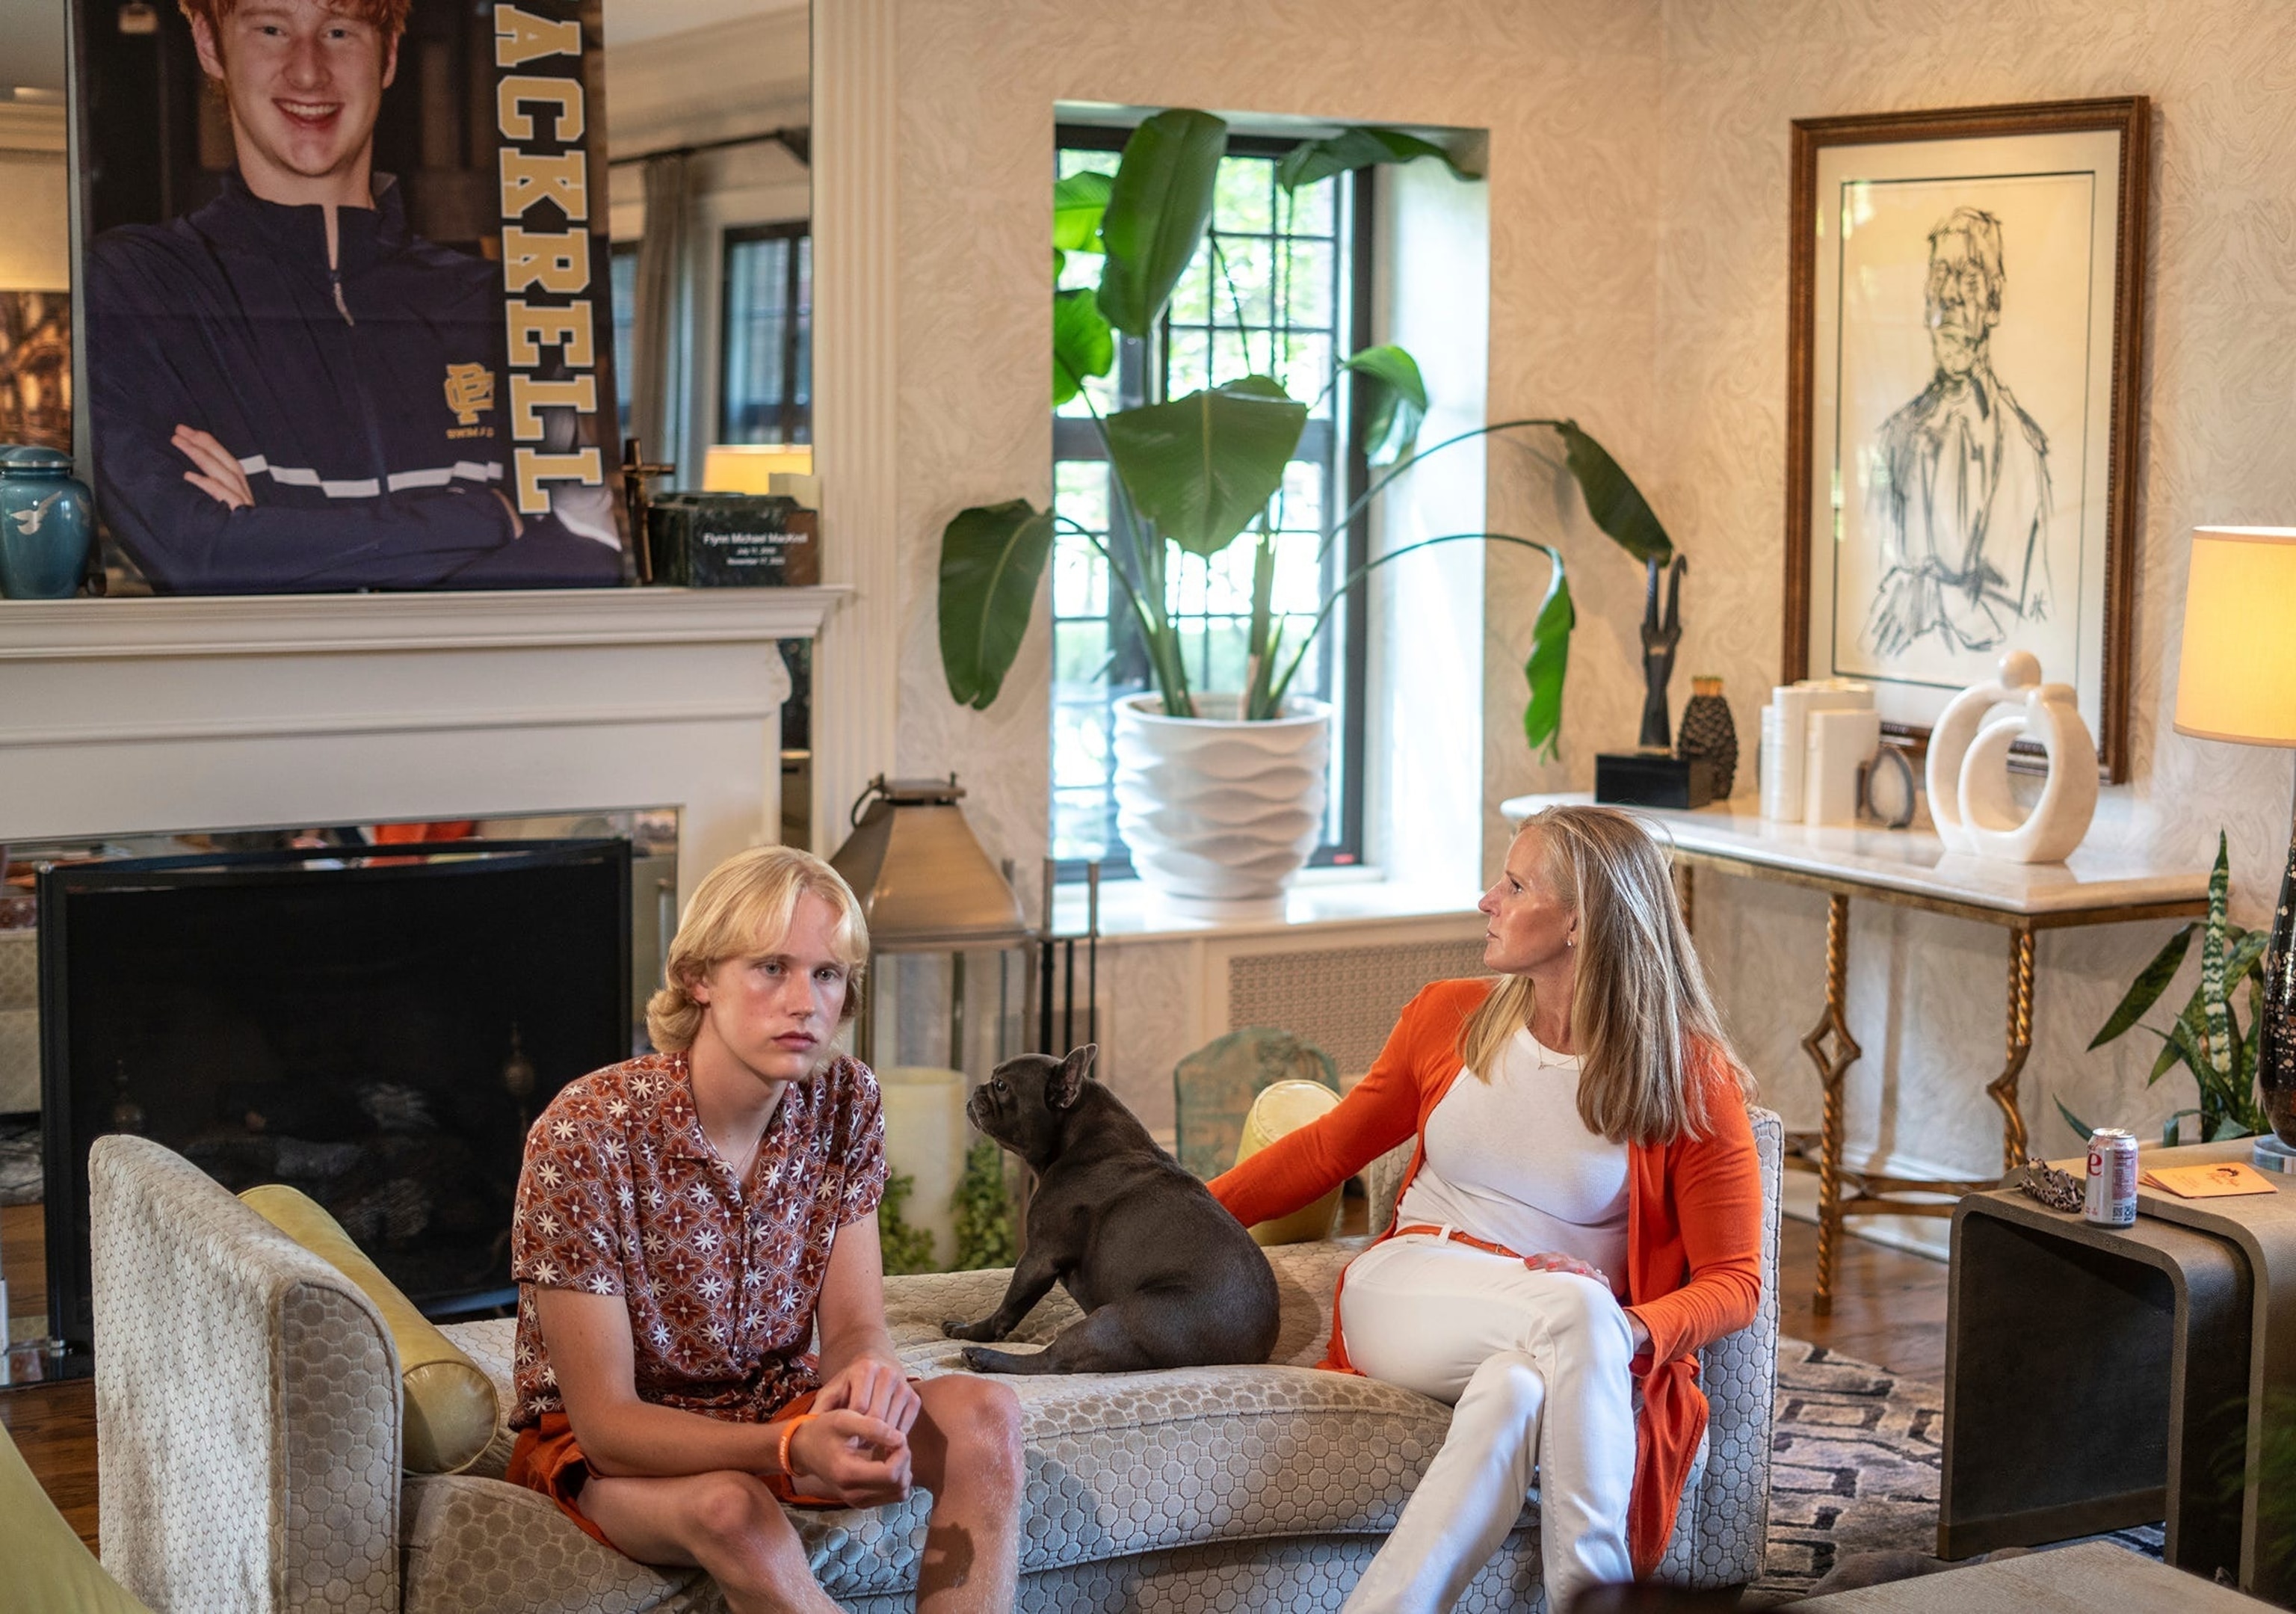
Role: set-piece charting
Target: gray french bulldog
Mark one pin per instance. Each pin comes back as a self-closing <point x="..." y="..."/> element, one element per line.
<point x="1166" y="1276"/>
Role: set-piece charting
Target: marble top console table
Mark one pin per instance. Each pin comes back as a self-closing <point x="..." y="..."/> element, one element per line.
<point x="1908" y="868"/>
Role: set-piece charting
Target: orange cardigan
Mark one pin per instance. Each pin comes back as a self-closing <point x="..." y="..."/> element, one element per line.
<point x="1694" y="1226"/>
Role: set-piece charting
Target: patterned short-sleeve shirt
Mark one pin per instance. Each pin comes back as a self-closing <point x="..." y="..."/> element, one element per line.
<point x="622" y="1194"/>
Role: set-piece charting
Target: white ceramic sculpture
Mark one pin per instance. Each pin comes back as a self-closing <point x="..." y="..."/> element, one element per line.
<point x="1968" y="770"/>
<point x="2061" y="818"/>
<point x="1956" y="728"/>
<point x="1216" y="810"/>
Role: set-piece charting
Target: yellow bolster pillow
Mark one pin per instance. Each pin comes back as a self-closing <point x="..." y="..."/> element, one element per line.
<point x="1281" y="1108"/>
<point x="449" y="1408"/>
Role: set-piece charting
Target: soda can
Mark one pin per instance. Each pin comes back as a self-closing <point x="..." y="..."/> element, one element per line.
<point x="2110" y="1200"/>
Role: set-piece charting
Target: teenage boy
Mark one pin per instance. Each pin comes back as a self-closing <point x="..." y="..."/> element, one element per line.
<point x="683" y="1221"/>
<point x="289" y="388"/>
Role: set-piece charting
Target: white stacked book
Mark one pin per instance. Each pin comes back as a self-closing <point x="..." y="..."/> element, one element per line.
<point x="1815" y="736"/>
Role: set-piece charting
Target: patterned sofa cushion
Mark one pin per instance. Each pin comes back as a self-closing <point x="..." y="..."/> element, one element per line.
<point x="1119" y="1464"/>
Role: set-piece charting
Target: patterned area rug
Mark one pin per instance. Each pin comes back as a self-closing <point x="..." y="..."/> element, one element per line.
<point x="1854" y="1469"/>
<point x="19" y="1161"/>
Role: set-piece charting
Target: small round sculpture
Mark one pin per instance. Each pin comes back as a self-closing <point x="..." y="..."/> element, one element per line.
<point x="1956" y="728"/>
<point x="1989" y="819"/>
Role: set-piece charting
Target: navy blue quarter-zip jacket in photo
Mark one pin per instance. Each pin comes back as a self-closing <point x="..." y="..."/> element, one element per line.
<point x="366" y="405"/>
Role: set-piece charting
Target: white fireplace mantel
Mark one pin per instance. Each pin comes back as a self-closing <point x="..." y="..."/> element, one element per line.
<point x="128" y="716"/>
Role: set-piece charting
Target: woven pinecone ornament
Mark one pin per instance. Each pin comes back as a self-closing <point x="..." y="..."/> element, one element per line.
<point x="1707" y="731"/>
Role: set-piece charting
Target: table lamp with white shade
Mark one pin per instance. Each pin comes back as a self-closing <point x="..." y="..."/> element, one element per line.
<point x="2236" y="682"/>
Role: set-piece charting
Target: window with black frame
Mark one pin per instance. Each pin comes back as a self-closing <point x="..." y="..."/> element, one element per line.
<point x="1280" y="287"/>
<point x="765" y="393"/>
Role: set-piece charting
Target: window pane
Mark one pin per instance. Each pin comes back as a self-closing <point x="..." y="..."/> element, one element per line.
<point x="1310" y="210"/>
<point x="1307" y="285"/>
<point x="1244" y="272"/>
<point x="768" y="384"/>
<point x="1241" y="197"/>
<point x="626" y="315"/>
<point x="801" y="337"/>
<point x="1307" y="353"/>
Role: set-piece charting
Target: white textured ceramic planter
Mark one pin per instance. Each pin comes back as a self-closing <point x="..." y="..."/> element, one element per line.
<point x="1218" y="810"/>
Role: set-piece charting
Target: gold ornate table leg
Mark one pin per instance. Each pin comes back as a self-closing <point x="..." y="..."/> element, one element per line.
<point x="1685" y="891"/>
<point x="2003" y="1089"/>
<point x="1833" y="1067"/>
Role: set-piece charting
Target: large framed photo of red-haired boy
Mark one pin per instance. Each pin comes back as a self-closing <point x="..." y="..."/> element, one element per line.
<point x="346" y="291"/>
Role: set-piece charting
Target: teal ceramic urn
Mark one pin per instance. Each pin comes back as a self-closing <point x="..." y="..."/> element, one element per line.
<point x="46" y="520"/>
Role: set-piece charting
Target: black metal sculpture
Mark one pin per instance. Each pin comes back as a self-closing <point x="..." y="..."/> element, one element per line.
<point x="1659" y="641"/>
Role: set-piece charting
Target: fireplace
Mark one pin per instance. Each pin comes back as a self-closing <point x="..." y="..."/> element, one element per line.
<point x="376" y="1026"/>
<point x="186" y="715"/>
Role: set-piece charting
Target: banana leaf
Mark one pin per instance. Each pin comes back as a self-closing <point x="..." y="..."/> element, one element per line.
<point x="2146" y="989"/>
<point x="1352" y="148"/>
<point x="991" y="557"/>
<point x="1613" y="499"/>
<point x="1082" y="343"/>
<point x="1398" y="401"/>
<point x="1550" y="657"/>
<point x="1158" y="210"/>
<point x="1079" y="201"/>
<point x="1202" y="466"/>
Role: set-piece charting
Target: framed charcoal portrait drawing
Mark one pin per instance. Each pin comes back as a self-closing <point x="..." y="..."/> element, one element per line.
<point x="345" y="280"/>
<point x="1965" y="326"/>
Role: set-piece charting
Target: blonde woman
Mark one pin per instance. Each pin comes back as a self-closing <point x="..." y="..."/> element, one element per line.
<point x="1582" y="1211"/>
<point x="682" y="1219"/>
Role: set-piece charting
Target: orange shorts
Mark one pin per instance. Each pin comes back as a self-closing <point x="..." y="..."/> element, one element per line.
<point x="546" y="1459"/>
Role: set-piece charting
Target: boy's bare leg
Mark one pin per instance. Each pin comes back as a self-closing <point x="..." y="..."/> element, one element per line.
<point x="726" y="1523"/>
<point x="966" y="1450"/>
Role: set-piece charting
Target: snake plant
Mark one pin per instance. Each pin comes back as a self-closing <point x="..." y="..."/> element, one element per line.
<point x="2205" y="1037"/>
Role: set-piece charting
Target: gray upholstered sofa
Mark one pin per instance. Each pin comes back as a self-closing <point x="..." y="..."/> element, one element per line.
<point x="249" y="1413"/>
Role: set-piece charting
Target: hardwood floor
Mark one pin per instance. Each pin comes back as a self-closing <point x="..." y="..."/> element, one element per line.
<point x="24" y="1257"/>
<point x="53" y="1425"/>
<point x="1888" y="1308"/>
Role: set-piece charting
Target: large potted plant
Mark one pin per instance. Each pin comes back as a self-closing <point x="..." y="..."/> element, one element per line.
<point x="1220" y="793"/>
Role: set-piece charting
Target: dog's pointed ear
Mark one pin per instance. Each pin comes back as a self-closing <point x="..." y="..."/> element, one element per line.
<point x="1064" y="1084"/>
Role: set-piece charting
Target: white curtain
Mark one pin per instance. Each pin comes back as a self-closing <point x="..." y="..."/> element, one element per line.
<point x="660" y="338"/>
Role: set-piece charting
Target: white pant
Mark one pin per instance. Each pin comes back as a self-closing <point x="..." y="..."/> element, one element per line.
<point x="1537" y="1363"/>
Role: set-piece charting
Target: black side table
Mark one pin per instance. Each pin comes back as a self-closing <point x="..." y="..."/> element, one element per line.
<point x="2095" y="1378"/>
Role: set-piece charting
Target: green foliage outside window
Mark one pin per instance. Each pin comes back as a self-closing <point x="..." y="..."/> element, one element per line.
<point x="984" y="1211"/>
<point x="907" y="1249"/>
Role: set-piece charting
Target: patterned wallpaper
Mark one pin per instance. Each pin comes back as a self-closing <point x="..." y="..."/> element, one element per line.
<point x="1928" y="994"/>
<point x="1638" y="182"/>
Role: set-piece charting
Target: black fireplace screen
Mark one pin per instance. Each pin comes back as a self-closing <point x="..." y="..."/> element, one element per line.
<point x="377" y="1028"/>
